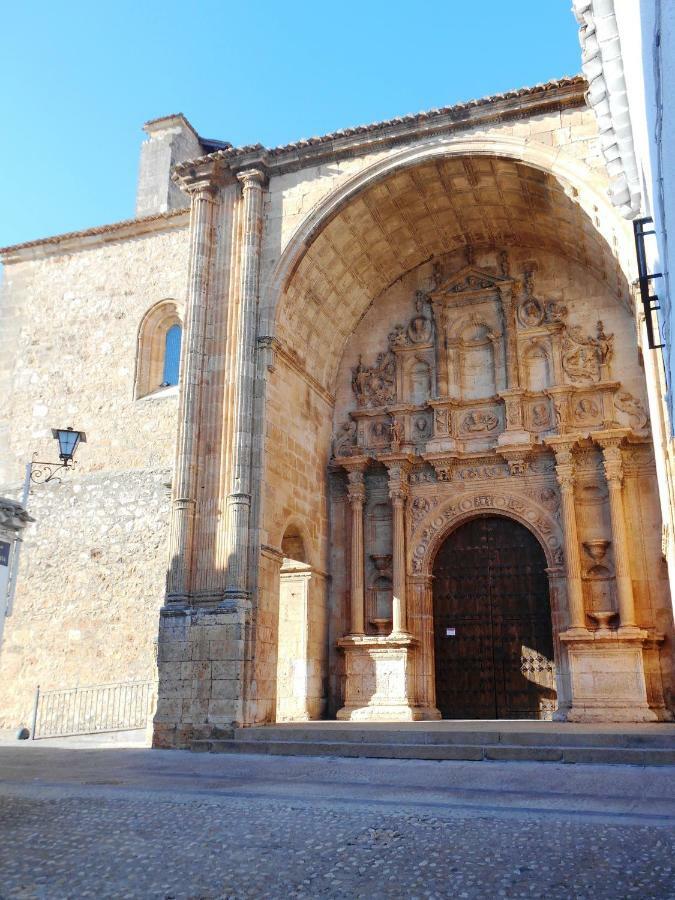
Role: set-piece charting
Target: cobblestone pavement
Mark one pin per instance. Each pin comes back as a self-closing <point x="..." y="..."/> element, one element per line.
<point x="152" y="824"/>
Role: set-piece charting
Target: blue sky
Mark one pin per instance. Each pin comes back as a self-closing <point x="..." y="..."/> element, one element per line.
<point x="80" y="79"/>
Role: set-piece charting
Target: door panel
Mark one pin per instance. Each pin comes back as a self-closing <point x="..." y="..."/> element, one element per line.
<point x="490" y="586"/>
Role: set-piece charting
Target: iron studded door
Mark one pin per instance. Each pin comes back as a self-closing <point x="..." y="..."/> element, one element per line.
<point x="493" y="639"/>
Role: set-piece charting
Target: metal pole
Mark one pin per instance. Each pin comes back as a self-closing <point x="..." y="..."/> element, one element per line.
<point x="35" y="713"/>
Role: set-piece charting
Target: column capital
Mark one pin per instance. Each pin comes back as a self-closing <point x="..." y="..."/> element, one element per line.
<point x="356" y="489"/>
<point x="201" y="189"/>
<point x="252" y="178"/>
<point x="398" y="480"/>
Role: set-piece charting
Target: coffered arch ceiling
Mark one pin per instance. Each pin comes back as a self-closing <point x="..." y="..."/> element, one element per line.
<point x="417" y="214"/>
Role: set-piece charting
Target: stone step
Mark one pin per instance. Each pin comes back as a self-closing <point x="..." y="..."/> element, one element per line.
<point x="645" y="756"/>
<point x="663" y="739"/>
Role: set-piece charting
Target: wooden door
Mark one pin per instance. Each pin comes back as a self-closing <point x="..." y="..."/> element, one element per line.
<point x="493" y="638"/>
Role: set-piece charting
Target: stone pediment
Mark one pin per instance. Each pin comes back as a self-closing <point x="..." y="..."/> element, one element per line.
<point x="469" y="280"/>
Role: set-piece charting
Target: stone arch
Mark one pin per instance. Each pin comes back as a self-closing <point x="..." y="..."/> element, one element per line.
<point x="150" y="345"/>
<point x="294" y="543"/>
<point x="575" y="177"/>
<point x="301" y="637"/>
<point x="441" y="521"/>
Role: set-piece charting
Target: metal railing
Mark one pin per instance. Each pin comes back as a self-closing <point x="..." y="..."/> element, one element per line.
<point x="122" y="706"/>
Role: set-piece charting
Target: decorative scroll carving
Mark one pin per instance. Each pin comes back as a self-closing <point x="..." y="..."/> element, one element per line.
<point x="583" y="357"/>
<point x="633" y="408"/>
<point x="375" y="385"/>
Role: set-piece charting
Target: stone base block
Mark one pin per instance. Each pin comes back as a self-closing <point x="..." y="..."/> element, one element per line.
<point x="200" y="658"/>
<point x="608" y="677"/>
<point x="386" y="713"/>
<point x="379" y="682"/>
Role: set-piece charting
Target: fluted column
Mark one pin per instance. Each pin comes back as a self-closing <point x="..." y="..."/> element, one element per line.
<point x="184" y="498"/>
<point x="398" y="492"/>
<point x="613" y="463"/>
<point x="575" y="596"/>
<point x="356" y="492"/>
<point x="239" y="495"/>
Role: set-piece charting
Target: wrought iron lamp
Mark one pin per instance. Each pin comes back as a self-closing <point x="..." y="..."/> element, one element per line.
<point x="69" y="439"/>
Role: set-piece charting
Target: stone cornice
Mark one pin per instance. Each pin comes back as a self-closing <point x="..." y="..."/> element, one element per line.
<point x="101" y="234"/>
<point x="522" y="103"/>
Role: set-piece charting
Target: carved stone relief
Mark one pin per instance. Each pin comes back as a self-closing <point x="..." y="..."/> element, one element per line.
<point x="437" y="523"/>
<point x="632" y="408"/>
<point x="583" y="357"/>
<point x="375" y="385"/>
<point x="479" y="422"/>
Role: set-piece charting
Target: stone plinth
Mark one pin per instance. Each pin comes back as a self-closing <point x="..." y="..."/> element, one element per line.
<point x="379" y="679"/>
<point x="607" y="670"/>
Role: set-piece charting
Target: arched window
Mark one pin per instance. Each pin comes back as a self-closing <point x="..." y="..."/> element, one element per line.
<point x="172" y="355"/>
<point x="158" y="351"/>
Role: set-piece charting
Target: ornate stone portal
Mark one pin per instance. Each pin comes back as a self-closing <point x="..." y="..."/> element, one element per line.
<point x="494" y="400"/>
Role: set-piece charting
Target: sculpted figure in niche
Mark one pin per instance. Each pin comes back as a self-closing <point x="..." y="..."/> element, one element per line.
<point x="420" y="329"/>
<point x="586" y="410"/>
<point x="540" y="415"/>
<point x="379" y="431"/>
<point x="480" y="421"/>
<point x="396" y="431"/>
<point x="345" y="439"/>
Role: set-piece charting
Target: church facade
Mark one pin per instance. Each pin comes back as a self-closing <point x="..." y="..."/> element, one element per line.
<point x="405" y="468"/>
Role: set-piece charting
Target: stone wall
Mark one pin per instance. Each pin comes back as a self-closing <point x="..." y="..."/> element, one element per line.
<point x="92" y="570"/>
<point x="91" y="581"/>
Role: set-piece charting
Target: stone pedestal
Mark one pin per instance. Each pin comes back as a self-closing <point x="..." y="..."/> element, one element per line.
<point x="607" y="672"/>
<point x="379" y="683"/>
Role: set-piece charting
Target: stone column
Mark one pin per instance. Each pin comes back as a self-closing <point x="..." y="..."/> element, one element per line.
<point x="398" y="492"/>
<point x="191" y="388"/>
<point x="611" y="452"/>
<point x="575" y="597"/>
<point x="239" y="495"/>
<point x="356" y="492"/>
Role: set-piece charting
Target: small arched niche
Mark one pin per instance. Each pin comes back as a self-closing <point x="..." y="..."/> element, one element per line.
<point x="158" y="350"/>
<point x="301" y="650"/>
<point x="537" y="367"/>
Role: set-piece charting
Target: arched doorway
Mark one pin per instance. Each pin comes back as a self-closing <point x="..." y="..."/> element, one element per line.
<point x="493" y="638"/>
